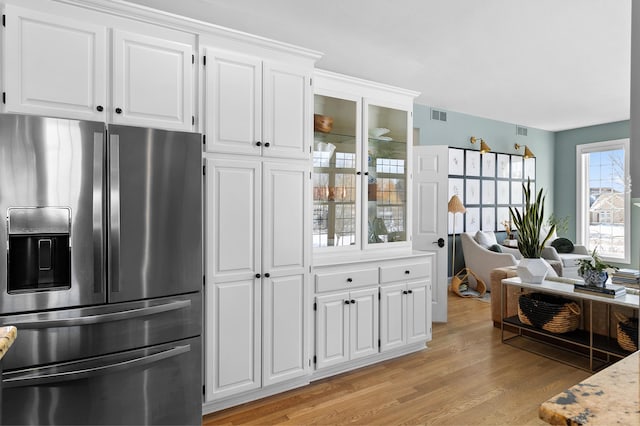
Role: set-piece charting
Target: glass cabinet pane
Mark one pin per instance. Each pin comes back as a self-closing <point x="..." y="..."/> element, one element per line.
<point x="334" y="164"/>
<point x="387" y="175"/>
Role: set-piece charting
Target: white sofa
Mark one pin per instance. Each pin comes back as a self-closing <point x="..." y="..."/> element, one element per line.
<point x="569" y="261"/>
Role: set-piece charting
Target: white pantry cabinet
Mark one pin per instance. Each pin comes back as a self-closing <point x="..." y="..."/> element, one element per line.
<point x="256" y="106"/>
<point x="257" y="262"/>
<point x="60" y="66"/>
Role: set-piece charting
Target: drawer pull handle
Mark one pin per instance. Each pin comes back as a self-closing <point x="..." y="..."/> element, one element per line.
<point x="349" y="280"/>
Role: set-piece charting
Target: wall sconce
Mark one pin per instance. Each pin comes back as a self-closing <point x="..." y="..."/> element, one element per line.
<point x="484" y="148"/>
<point x="527" y="151"/>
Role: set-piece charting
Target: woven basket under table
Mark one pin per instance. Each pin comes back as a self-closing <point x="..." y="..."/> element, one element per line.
<point x="627" y="332"/>
<point x="551" y="313"/>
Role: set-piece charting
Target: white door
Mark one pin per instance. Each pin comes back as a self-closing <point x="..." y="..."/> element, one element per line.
<point x="54" y="66"/>
<point x="284" y="354"/>
<point x="152" y="82"/>
<point x="287" y="111"/>
<point x="233" y="103"/>
<point x="430" y="174"/>
<point x="364" y="312"/>
<point x="392" y="316"/>
<point x="418" y="307"/>
<point x="233" y="292"/>
<point x="332" y="329"/>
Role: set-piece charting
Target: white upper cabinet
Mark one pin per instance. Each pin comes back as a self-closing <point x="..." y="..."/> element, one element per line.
<point x="152" y="81"/>
<point x="54" y="66"/>
<point x="257" y="107"/>
<point x="60" y="66"/>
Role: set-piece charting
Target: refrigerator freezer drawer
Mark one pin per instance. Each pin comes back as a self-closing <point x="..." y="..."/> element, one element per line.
<point x="153" y="385"/>
<point x="70" y="334"/>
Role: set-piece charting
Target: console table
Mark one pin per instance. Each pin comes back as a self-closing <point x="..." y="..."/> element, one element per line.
<point x="581" y="348"/>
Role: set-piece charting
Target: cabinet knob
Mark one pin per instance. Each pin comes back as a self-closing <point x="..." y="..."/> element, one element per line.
<point x="100" y="108"/>
<point x="366" y="173"/>
<point x="358" y="173"/>
<point x="118" y="110"/>
<point x="346" y="302"/>
<point x="258" y="143"/>
<point x="353" y="301"/>
<point x="267" y="275"/>
<point x="407" y="272"/>
<point x="267" y="144"/>
<point x="258" y="275"/>
<point x="404" y="292"/>
<point x="410" y="291"/>
<point x="349" y="280"/>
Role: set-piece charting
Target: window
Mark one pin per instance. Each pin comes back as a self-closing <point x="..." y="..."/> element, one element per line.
<point x="603" y="198"/>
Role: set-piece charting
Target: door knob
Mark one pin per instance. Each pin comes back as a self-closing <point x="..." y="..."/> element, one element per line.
<point x="440" y="242"/>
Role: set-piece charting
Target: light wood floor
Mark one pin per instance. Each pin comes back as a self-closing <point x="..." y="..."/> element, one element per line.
<point x="466" y="377"/>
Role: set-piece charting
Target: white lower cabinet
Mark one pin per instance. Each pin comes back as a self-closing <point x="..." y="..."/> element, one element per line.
<point x="367" y="311"/>
<point x="347" y="326"/>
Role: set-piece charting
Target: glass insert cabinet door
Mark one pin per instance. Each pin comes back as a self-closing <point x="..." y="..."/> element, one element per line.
<point x="386" y="155"/>
<point x="336" y="165"/>
<point x="360" y="174"/>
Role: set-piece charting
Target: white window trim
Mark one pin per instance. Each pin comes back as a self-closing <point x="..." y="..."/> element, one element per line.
<point x="582" y="198"/>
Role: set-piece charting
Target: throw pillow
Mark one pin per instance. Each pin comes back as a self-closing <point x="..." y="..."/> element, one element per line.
<point x="496" y="248"/>
<point x="485" y="239"/>
<point x="562" y="245"/>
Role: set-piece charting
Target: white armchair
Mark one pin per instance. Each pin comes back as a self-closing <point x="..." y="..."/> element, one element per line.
<point x="568" y="261"/>
<point x="482" y="261"/>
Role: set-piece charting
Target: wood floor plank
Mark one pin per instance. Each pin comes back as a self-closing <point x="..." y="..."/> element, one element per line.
<point x="467" y="376"/>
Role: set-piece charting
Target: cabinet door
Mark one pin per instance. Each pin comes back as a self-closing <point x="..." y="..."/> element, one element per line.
<point x="152" y="81"/>
<point x="392" y="316"/>
<point x="233" y="219"/>
<point x="418" y="304"/>
<point x="233" y="338"/>
<point x="286" y="248"/>
<point x="286" y="111"/>
<point x="233" y="103"/>
<point x="284" y="325"/>
<point x="54" y="66"/>
<point x="332" y="329"/>
<point x="364" y="322"/>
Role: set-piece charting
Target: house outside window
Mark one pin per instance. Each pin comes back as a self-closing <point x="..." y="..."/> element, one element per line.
<point x="603" y="199"/>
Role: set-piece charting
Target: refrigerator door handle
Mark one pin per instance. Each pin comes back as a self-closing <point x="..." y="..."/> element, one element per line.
<point x="114" y="212"/>
<point x="28" y="379"/>
<point x="98" y="218"/>
<point x="102" y="318"/>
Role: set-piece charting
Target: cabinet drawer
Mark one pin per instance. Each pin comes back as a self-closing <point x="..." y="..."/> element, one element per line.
<point x="346" y="280"/>
<point x="405" y="271"/>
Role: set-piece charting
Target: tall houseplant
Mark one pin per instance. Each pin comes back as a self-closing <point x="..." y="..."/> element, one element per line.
<point x="528" y="224"/>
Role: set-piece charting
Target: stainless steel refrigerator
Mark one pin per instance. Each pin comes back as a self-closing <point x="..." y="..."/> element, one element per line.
<point x="102" y="227"/>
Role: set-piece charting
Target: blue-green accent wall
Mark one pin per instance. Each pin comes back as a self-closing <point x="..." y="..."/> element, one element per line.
<point x="555" y="158"/>
<point x="500" y="136"/>
<point x="565" y="172"/>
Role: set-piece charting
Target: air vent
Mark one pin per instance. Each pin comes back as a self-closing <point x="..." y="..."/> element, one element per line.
<point x="521" y="131"/>
<point x="438" y="115"/>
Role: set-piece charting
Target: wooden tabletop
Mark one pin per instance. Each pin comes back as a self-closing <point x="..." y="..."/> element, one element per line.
<point x="7" y="336"/>
<point x="609" y="397"/>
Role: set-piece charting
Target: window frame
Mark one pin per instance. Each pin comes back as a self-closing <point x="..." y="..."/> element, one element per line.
<point x="582" y="197"/>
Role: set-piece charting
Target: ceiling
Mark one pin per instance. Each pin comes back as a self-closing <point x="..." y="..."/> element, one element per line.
<point x="547" y="64"/>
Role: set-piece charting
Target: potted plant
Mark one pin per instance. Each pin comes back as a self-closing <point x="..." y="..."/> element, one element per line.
<point x="594" y="271"/>
<point x="532" y="268"/>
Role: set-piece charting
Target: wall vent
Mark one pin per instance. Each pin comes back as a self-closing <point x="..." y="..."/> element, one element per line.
<point x="521" y="131"/>
<point x="438" y="115"/>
